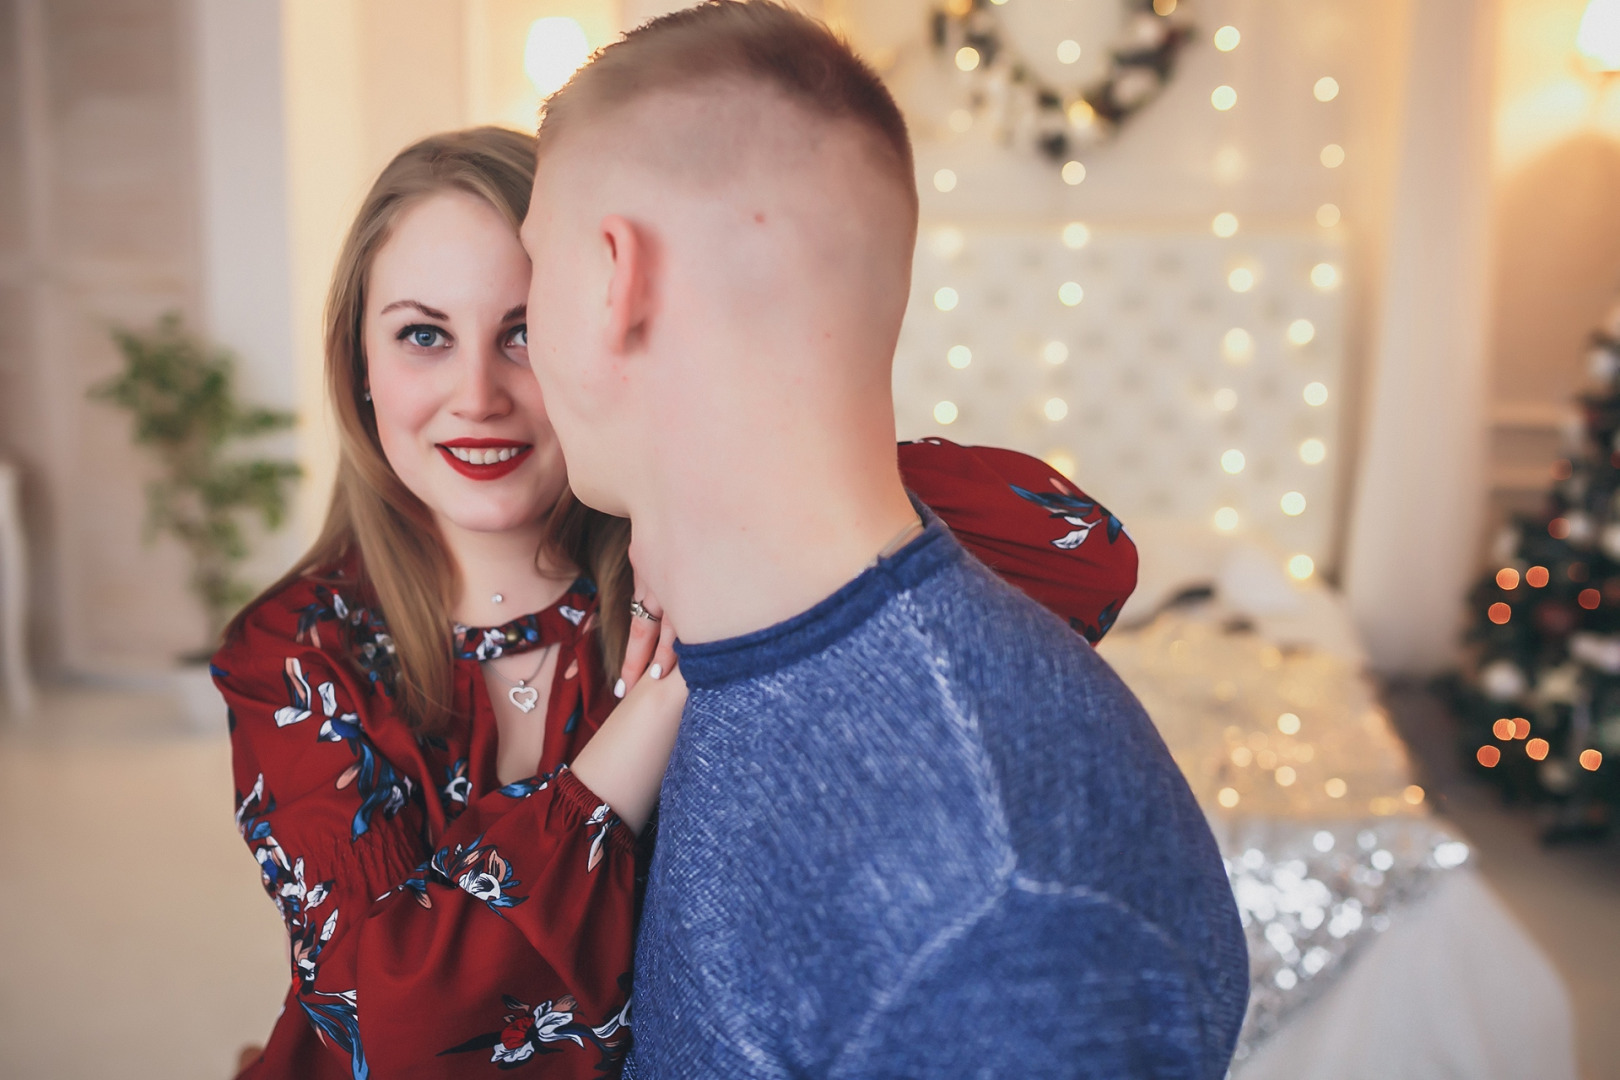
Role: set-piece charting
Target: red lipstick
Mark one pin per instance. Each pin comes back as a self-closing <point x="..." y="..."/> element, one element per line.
<point x="489" y="469"/>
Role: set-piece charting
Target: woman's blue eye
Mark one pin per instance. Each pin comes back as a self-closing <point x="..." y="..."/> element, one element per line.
<point x="519" y="338"/>
<point x="423" y="337"/>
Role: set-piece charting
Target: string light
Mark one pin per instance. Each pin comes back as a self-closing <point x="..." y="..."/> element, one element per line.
<point x="1288" y="723"/>
<point x="1225" y="399"/>
<point x="1521" y="728"/>
<point x="1073" y="173"/>
<point x="945" y="412"/>
<point x="967" y="58"/>
<point x="1232" y="461"/>
<point x="1312" y="451"/>
<point x="1301" y="331"/>
<point x="1589" y="599"/>
<point x="1537" y="577"/>
<point x="1507" y="579"/>
<point x="1076" y="235"/>
<point x="1488" y="756"/>
<point x="1055" y="409"/>
<point x="948" y="242"/>
<point x="1315" y="394"/>
<point x="1237" y="346"/>
<point x="1503" y="729"/>
<point x="1301" y="567"/>
<point x="1068" y="51"/>
<point x="1324" y="275"/>
<point x="960" y="120"/>
<point x="1227" y="38"/>
<point x="1164" y="7"/>
<point x="1055" y="352"/>
<point x="1228" y="797"/>
<point x="1332" y="155"/>
<point x="1285" y="776"/>
<point x="1240" y="280"/>
<point x="1537" y="749"/>
<point x="1591" y="759"/>
<point x="555" y="48"/>
<point x="944" y="180"/>
<point x="945" y="298"/>
<point x="1081" y="114"/>
<point x="1326" y="88"/>
<point x="1063" y="462"/>
<point x="1499" y="613"/>
<point x="1226" y="519"/>
<point x="1327" y="215"/>
<point x="1293" y="504"/>
<point x="959" y="356"/>
<point x="1224" y="225"/>
<point x="1070" y="293"/>
<point x="1336" y="788"/>
<point x="1223" y="98"/>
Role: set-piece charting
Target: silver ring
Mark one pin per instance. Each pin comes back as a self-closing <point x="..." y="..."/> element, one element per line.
<point x="639" y="610"/>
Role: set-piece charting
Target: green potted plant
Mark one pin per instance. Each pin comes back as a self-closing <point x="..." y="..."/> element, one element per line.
<point x="181" y="394"/>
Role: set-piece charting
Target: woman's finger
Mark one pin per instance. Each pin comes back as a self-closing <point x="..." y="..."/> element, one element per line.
<point x="663" y="661"/>
<point x="638" y="653"/>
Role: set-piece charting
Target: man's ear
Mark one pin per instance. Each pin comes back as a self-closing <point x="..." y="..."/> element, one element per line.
<point x="629" y="287"/>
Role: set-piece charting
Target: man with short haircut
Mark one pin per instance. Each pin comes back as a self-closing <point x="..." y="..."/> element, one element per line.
<point x="913" y="826"/>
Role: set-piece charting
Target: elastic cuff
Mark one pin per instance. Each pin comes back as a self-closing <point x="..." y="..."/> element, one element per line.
<point x="580" y="801"/>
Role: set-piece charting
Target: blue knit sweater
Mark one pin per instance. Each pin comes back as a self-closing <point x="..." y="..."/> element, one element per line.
<point x="922" y="830"/>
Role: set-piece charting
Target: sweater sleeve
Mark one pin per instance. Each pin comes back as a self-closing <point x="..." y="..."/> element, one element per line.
<point x="1043" y="983"/>
<point x="512" y="937"/>
<point x="1034" y="528"/>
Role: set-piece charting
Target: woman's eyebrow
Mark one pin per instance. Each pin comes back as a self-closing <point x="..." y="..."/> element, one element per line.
<point x="516" y="313"/>
<point x="431" y="313"/>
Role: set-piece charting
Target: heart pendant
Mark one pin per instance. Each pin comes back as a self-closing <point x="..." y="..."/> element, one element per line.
<point x="524" y="697"/>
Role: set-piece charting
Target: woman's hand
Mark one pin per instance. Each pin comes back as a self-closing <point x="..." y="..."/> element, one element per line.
<point x="624" y="762"/>
<point x="651" y="648"/>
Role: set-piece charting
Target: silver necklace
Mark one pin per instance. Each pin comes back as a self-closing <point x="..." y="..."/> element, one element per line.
<point x="521" y="694"/>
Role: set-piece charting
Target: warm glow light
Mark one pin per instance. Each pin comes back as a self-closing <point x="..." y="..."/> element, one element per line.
<point x="555" y="48"/>
<point x="1071" y="293"/>
<point x="1488" y="756"/>
<point x="1591" y="759"/>
<point x="1232" y="461"/>
<point x="1558" y="528"/>
<point x="1499" y="613"/>
<point x="1301" y="331"/>
<point x="1293" y="504"/>
<point x="1073" y="172"/>
<point x="1598" y="38"/>
<point x="1326" y="88"/>
<point x="1164" y="7"/>
<point x="1315" y="394"/>
<point x="1242" y="756"/>
<point x="1507" y="578"/>
<point x="1589" y="599"/>
<point x="1285" y="776"/>
<point x="1312" y="451"/>
<point x="1288" y="723"/>
<point x="945" y="412"/>
<point x="1081" y="114"/>
<point x="1335" y="788"/>
<point x="1225" y="399"/>
<point x="1055" y="409"/>
<point x="1333" y="155"/>
<point x="948" y="242"/>
<point x="1324" y="275"/>
<point x="1076" y="235"/>
<point x="1228" y="797"/>
<point x="1055" y="352"/>
<point x="1068" y="51"/>
<point x="1227" y="38"/>
<point x="960" y="120"/>
<point x="1301" y="567"/>
<point x="1237" y="346"/>
<point x="1226" y="519"/>
<point x="1503" y="729"/>
<point x="1241" y="279"/>
<point x="1536" y="577"/>
<point x="1536" y="749"/>
<point x="1327" y="215"/>
<point x="1521" y="728"/>
<point x="959" y="356"/>
<point x="967" y="58"/>
<point x="1224" y="225"/>
<point x="1063" y="462"/>
<point x="945" y="298"/>
<point x="1223" y="98"/>
<point x="944" y="180"/>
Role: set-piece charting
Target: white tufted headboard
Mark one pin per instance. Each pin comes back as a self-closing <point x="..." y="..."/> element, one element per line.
<point x="1150" y="394"/>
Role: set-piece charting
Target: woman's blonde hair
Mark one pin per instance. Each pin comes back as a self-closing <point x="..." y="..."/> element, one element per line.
<point x="406" y="572"/>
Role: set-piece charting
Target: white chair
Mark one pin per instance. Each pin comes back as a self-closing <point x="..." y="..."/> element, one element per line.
<point x="19" y="686"/>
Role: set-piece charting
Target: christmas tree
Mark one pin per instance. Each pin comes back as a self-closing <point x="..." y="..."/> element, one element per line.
<point x="1540" y="701"/>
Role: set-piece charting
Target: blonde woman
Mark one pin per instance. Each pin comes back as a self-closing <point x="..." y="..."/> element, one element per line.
<point x="451" y="717"/>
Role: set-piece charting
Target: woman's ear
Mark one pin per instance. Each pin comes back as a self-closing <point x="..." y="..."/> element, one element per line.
<point x="629" y="288"/>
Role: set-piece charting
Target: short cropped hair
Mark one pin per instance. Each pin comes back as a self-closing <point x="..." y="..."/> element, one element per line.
<point x="757" y="41"/>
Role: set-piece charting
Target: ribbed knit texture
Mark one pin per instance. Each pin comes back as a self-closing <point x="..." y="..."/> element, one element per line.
<point x="922" y="830"/>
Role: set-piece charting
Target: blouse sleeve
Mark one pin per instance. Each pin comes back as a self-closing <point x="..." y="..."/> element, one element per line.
<point x="402" y="953"/>
<point x="1031" y="526"/>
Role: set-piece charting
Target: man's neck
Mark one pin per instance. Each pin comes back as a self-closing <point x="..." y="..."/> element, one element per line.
<point x="771" y="539"/>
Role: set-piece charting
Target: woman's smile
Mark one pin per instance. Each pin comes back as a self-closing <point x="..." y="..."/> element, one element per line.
<point x="484" y="459"/>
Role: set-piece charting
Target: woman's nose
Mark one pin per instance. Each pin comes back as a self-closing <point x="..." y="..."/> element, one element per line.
<point x="479" y="392"/>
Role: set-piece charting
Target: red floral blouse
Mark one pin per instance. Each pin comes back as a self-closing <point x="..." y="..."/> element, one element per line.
<point x="444" y="924"/>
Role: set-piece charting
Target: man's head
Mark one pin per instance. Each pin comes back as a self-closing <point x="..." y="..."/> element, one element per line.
<point x="722" y="227"/>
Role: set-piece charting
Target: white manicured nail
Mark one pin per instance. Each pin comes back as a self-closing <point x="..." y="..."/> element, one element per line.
<point x="618" y="688"/>
<point x="656" y="671"/>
